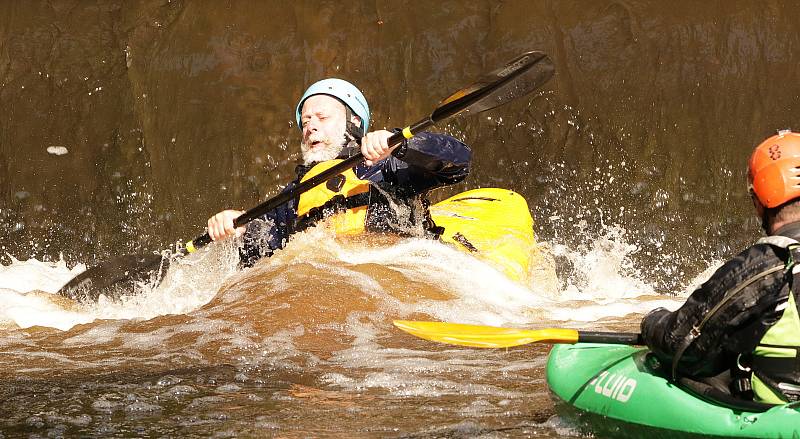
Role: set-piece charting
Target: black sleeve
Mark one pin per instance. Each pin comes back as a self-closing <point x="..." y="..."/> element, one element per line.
<point x="427" y="161"/>
<point x="747" y="290"/>
<point x="268" y="233"/>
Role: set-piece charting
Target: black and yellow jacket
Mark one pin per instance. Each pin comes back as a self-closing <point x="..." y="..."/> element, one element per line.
<point x="369" y="196"/>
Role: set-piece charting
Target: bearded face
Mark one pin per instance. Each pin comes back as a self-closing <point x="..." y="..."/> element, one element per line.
<point x="323" y="118"/>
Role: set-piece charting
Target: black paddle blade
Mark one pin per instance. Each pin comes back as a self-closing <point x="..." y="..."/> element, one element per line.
<point x="115" y="278"/>
<point x="518" y="77"/>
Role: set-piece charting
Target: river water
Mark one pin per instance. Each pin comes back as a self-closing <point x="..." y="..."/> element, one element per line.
<point x="124" y="125"/>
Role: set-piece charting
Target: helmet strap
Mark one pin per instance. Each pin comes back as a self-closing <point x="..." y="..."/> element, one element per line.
<point x="352" y="136"/>
<point x="352" y="130"/>
<point x="350" y="149"/>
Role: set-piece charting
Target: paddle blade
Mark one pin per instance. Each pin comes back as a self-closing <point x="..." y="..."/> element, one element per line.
<point x="115" y="278"/>
<point x="518" y="77"/>
<point x="484" y="336"/>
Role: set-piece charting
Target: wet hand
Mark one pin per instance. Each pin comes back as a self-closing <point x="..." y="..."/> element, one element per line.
<point x="220" y="226"/>
<point x="375" y="146"/>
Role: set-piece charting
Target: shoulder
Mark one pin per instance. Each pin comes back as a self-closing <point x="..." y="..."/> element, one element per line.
<point x="437" y="137"/>
<point x="758" y="259"/>
<point x="761" y="253"/>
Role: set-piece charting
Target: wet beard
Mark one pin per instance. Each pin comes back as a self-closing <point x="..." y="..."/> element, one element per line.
<point x="328" y="151"/>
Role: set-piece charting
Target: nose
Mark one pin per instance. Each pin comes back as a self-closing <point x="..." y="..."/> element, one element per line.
<point x="310" y="127"/>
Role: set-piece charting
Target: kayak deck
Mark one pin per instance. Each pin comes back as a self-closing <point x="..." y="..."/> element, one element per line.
<point x="493" y="225"/>
<point x="622" y="391"/>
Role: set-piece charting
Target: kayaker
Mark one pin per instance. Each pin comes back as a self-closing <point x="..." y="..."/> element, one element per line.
<point x="743" y="321"/>
<point x="385" y="193"/>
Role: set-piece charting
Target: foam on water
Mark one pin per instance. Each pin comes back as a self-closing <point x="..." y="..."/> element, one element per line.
<point x="601" y="284"/>
<point x="28" y="291"/>
<point x="25" y="287"/>
<point x="369" y="356"/>
<point x="31" y="275"/>
<point x="481" y="293"/>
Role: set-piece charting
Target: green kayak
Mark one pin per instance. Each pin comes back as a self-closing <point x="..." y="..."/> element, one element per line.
<point x="621" y="391"/>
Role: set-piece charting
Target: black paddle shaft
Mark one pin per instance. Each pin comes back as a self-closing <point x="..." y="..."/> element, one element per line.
<point x="309" y="184"/>
<point x="627" y="338"/>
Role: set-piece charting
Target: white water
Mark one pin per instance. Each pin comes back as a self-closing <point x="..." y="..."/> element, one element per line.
<point x="28" y="292"/>
<point x="359" y="359"/>
<point x="603" y="286"/>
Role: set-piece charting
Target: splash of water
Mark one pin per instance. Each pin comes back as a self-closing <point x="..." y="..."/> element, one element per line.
<point x="596" y="281"/>
<point x="28" y="291"/>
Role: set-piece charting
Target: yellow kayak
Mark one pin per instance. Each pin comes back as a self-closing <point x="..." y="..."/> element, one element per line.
<point x="492" y="224"/>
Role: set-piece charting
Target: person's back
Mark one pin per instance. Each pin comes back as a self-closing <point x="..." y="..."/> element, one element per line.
<point x="744" y="319"/>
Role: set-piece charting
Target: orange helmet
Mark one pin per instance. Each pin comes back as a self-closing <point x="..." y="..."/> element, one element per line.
<point x="774" y="169"/>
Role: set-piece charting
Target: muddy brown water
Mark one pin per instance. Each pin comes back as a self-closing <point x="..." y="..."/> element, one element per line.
<point x="124" y="125"/>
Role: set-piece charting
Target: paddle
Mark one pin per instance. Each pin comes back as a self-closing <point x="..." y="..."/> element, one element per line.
<point x="517" y="78"/>
<point x="494" y="337"/>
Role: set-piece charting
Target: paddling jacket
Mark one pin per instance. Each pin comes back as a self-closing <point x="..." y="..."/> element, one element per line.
<point x="424" y="162"/>
<point x="743" y="319"/>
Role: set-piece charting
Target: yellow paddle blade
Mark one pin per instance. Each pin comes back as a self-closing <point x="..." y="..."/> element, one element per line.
<point x="484" y="336"/>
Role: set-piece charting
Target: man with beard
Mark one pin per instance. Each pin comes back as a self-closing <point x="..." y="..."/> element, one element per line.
<point x="740" y="330"/>
<point x="386" y="193"/>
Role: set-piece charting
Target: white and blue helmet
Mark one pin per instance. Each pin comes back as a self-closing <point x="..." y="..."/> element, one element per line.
<point x="342" y="90"/>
